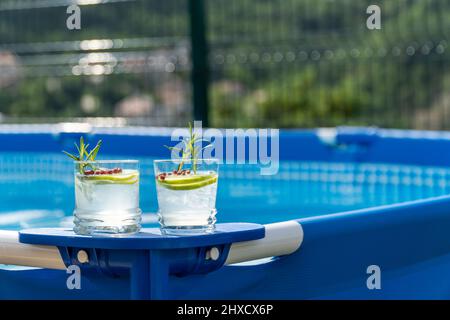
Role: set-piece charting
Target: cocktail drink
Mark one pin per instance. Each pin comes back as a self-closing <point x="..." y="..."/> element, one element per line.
<point x="186" y="192"/>
<point x="107" y="197"/>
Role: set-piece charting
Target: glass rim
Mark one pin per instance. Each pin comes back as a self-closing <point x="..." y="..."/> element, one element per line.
<point x="109" y="161"/>
<point x="185" y="160"/>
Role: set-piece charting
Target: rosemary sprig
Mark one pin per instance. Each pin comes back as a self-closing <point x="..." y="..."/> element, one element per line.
<point x="192" y="148"/>
<point x="85" y="155"/>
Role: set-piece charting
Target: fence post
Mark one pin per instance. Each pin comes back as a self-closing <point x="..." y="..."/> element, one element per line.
<point x="199" y="58"/>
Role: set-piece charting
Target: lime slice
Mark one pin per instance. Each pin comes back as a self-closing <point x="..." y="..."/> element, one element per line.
<point x="189" y="182"/>
<point x="124" y="178"/>
<point x="174" y="179"/>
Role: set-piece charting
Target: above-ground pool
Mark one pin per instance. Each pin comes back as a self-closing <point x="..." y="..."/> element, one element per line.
<point x="365" y="199"/>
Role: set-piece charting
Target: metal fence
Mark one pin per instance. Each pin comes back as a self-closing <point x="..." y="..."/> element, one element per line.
<point x="129" y="60"/>
<point x="236" y="63"/>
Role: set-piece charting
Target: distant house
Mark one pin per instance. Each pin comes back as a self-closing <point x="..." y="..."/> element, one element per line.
<point x="9" y="69"/>
<point x="135" y="106"/>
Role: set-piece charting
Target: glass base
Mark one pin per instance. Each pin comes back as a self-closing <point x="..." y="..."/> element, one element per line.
<point x="106" y="231"/>
<point x="187" y="222"/>
<point x="96" y="226"/>
<point x="187" y="231"/>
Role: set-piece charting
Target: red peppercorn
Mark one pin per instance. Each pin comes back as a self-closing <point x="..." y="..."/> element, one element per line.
<point x="89" y="172"/>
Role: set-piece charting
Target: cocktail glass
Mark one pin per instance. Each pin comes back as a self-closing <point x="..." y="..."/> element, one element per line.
<point x="107" y="197"/>
<point x="186" y="192"/>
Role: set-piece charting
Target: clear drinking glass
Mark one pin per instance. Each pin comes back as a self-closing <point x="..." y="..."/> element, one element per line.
<point x="107" y="197"/>
<point x="186" y="192"/>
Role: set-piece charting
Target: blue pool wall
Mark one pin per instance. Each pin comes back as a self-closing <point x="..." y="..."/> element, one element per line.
<point x="410" y="242"/>
<point x="351" y="144"/>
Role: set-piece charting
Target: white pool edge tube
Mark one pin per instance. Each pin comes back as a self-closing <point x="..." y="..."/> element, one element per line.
<point x="282" y="238"/>
<point x="12" y="252"/>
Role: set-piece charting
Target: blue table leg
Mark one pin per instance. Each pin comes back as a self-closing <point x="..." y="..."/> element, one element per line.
<point x="139" y="277"/>
<point x="159" y="275"/>
<point x="149" y="276"/>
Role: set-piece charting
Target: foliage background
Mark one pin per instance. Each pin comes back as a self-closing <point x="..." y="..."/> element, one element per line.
<point x="275" y="63"/>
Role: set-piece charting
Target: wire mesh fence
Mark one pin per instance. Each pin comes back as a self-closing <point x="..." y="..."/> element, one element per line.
<point x="278" y="63"/>
<point x="309" y="63"/>
<point x="128" y="60"/>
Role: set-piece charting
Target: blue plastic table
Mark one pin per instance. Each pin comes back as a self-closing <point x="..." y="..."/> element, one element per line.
<point x="147" y="257"/>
